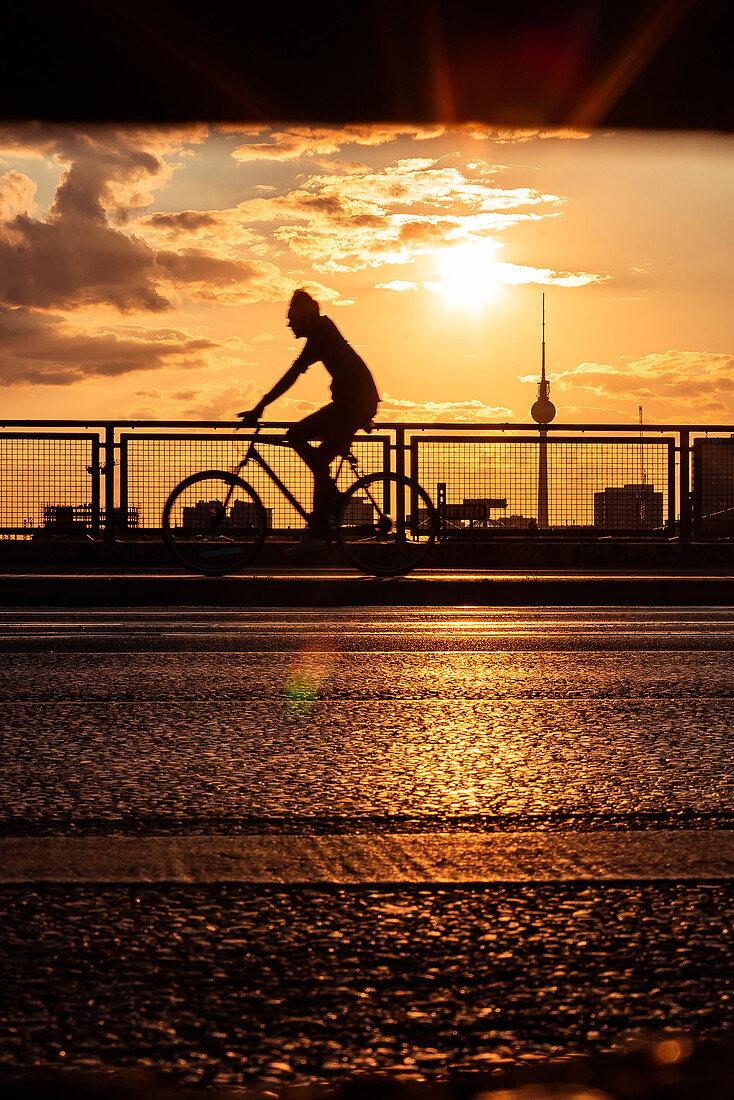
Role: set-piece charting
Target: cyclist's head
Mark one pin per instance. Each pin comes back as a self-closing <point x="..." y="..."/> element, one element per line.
<point x="302" y="312"/>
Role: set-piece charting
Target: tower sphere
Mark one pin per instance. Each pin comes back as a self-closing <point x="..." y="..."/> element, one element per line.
<point x="543" y="410"/>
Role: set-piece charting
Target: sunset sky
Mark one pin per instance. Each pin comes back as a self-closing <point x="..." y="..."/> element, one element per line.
<point x="145" y="273"/>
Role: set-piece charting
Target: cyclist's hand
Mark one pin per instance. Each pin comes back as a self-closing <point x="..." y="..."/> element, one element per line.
<point x="249" y="418"/>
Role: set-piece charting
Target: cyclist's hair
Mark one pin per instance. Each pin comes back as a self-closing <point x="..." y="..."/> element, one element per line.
<point x="303" y="303"/>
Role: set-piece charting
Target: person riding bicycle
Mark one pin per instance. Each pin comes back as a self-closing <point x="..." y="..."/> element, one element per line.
<point x="354" y="401"/>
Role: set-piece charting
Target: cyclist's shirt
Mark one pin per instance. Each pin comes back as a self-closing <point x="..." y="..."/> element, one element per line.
<point x="351" y="379"/>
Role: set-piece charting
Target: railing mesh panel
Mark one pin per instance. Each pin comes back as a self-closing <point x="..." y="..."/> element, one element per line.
<point x="156" y="465"/>
<point x="46" y="486"/>
<point x="713" y="486"/>
<point x="496" y="483"/>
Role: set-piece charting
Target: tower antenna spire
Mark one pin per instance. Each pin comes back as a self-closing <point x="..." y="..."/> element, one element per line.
<point x="542" y="360"/>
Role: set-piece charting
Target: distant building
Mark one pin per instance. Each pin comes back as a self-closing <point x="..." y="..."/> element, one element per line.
<point x="197" y="517"/>
<point x="241" y="517"/>
<point x="473" y="511"/>
<point x="713" y="484"/>
<point x="60" y="516"/>
<point x="526" y="523"/>
<point x="628" y="508"/>
<point x="243" y="514"/>
<point x="76" y="518"/>
<point x="358" y="510"/>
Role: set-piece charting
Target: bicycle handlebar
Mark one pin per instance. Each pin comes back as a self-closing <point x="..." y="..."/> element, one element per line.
<point x="258" y="426"/>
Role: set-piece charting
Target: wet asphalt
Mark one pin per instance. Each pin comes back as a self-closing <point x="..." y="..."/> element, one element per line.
<point x="366" y="722"/>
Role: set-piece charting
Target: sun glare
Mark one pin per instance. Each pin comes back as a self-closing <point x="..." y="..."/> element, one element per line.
<point x="470" y="275"/>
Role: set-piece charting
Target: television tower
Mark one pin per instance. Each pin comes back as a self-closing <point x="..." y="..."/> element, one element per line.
<point x="542" y="413"/>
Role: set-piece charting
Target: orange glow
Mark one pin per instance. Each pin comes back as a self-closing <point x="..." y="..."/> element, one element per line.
<point x="145" y="273"/>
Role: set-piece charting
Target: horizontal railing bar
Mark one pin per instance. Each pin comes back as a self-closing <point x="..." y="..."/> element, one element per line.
<point x="664" y="441"/>
<point x="380" y="425"/>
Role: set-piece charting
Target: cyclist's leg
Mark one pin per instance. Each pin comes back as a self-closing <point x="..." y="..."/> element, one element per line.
<point x="320" y="426"/>
<point x="339" y="429"/>
<point x="335" y="425"/>
<point x="324" y="488"/>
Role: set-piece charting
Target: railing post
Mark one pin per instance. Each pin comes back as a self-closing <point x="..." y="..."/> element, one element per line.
<point x="109" y="482"/>
<point x="670" y="524"/>
<point x="685" y="486"/>
<point x="124" y="510"/>
<point x="95" y="473"/>
<point x="400" y="470"/>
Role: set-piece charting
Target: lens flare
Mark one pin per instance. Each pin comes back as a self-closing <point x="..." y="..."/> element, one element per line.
<point x="302" y="689"/>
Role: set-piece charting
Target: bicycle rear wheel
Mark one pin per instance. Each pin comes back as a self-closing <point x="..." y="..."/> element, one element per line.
<point x="386" y="524"/>
<point x="213" y="523"/>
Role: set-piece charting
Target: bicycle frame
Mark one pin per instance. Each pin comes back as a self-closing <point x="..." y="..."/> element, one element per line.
<point x="373" y="535"/>
<point x="253" y="453"/>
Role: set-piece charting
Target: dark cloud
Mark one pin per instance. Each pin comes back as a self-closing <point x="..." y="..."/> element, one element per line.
<point x="45" y="349"/>
<point x="197" y="265"/>
<point x="186" y="220"/>
<point x="78" y="256"/>
<point x="74" y="257"/>
<point x="73" y="260"/>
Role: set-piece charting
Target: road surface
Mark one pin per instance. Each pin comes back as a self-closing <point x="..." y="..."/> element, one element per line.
<point x="275" y="846"/>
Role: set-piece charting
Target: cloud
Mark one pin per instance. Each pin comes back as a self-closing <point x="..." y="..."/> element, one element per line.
<point x="513" y="136"/>
<point x="75" y="260"/>
<point x="17" y="195"/>
<point x="295" y="142"/>
<point x="269" y="338"/>
<point x="434" y="412"/>
<point x="339" y="221"/>
<point x="677" y="384"/>
<point x="67" y="143"/>
<point x="213" y="401"/>
<point x="373" y="218"/>
<point x="370" y="217"/>
<point x="46" y="349"/>
<point x="186" y="222"/>
<point x="75" y="257"/>
<point x="211" y="277"/>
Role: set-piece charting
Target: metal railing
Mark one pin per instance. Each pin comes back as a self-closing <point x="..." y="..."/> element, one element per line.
<point x="98" y="479"/>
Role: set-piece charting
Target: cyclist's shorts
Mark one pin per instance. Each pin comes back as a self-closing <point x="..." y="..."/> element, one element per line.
<point x="336" y="424"/>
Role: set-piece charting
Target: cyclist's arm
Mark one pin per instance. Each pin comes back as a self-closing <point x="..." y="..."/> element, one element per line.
<point x="280" y="387"/>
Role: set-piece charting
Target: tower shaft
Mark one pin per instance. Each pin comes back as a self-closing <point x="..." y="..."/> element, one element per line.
<point x="542" y="413"/>
<point x="543" y="480"/>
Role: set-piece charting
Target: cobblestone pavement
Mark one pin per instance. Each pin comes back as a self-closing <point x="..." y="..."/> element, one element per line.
<point x="136" y="723"/>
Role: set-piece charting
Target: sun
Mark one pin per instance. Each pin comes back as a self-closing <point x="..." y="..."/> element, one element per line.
<point x="470" y="275"/>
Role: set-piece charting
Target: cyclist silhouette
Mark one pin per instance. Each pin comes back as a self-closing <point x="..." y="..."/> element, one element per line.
<point x="354" y="401"/>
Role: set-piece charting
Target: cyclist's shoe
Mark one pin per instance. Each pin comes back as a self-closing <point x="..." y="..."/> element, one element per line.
<point x="307" y="544"/>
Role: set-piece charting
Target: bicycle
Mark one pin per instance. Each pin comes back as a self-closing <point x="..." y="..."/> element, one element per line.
<point x="214" y="522"/>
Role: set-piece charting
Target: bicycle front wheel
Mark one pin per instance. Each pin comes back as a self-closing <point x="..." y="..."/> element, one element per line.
<point x="213" y="523"/>
<point x="386" y="524"/>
